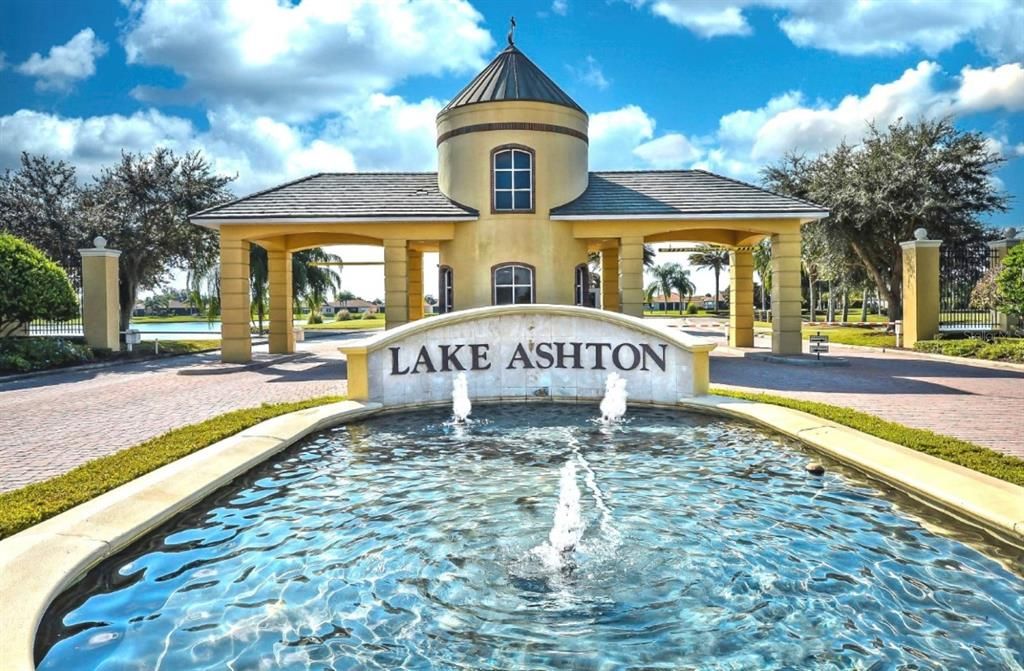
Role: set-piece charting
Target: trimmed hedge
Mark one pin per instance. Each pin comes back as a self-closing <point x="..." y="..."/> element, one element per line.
<point x="21" y="508"/>
<point x="953" y="450"/>
<point x="1002" y="349"/>
<point x="31" y="286"/>
<point x="21" y="355"/>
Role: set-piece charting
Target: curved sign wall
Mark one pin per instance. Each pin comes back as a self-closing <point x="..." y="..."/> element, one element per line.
<point x="526" y="351"/>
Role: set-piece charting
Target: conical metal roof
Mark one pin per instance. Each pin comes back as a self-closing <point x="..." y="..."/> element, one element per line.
<point x="511" y="76"/>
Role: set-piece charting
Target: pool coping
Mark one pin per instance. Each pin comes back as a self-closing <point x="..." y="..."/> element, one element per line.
<point x="39" y="563"/>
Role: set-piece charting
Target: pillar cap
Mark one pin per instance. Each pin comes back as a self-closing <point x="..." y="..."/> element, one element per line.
<point x="920" y="243"/>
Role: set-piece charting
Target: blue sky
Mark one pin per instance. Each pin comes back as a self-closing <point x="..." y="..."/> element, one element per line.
<point x="274" y="91"/>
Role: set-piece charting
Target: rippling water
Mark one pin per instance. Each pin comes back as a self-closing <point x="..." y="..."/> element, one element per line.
<point x="403" y="542"/>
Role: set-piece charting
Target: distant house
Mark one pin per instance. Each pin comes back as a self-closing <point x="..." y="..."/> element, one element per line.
<point x="179" y="308"/>
<point x="659" y="302"/>
<point x="354" y="306"/>
<point x="139" y="310"/>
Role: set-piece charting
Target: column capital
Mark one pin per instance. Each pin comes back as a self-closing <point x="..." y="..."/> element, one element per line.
<point x="920" y="244"/>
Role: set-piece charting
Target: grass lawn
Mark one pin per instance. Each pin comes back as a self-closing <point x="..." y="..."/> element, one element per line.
<point x="676" y="313"/>
<point x="852" y="335"/>
<point x="377" y="323"/>
<point x="21" y="508"/>
<point x="969" y="455"/>
<point x="146" y="347"/>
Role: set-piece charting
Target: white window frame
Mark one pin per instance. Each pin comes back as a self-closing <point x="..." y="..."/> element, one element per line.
<point x="513" y="170"/>
<point x="513" y="285"/>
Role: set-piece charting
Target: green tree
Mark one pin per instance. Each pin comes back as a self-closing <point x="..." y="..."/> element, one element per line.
<point x="671" y="277"/>
<point x="31" y="286"/>
<point x="40" y="203"/>
<point x="711" y="258"/>
<point x="907" y="176"/>
<point x="141" y="205"/>
<point x="763" y="265"/>
<point x="1010" y="281"/>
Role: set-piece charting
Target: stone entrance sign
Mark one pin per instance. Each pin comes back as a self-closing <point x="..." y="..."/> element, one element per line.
<point x="526" y="351"/>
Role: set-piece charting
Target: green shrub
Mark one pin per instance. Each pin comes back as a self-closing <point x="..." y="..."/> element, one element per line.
<point x="315" y="319"/>
<point x="1001" y="349"/>
<point x="1010" y="281"/>
<point x="21" y="355"/>
<point x="31" y="286"/>
<point x="370" y="315"/>
<point x="343" y="316"/>
<point x="692" y="309"/>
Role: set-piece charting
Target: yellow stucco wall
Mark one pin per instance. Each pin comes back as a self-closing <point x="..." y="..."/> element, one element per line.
<point x="100" y="299"/>
<point x="920" y="290"/>
<point x="560" y="175"/>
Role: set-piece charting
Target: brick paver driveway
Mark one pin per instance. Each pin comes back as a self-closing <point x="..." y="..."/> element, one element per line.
<point x="982" y="405"/>
<point x="53" y="423"/>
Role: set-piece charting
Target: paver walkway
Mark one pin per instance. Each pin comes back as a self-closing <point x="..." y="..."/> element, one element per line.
<point x="51" y="424"/>
<point x="982" y="405"/>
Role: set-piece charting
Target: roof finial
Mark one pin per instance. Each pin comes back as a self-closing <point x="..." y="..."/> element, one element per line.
<point x="512" y="32"/>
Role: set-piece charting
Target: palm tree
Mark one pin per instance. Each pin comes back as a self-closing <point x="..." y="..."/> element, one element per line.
<point x="763" y="266"/>
<point x="314" y="282"/>
<point x="711" y="258"/>
<point x="682" y="283"/>
<point x="259" y="276"/>
<point x="669" y="276"/>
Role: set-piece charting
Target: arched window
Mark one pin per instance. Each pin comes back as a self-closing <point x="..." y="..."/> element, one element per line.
<point x="582" y="282"/>
<point x="513" y="284"/>
<point x="446" y="289"/>
<point x="512" y="179"/>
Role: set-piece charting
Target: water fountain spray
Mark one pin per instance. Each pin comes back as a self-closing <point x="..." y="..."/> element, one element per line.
<point x="461" y="405"/>
<point x="613" y="405"/>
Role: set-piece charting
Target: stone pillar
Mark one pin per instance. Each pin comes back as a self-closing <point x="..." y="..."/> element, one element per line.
<point x="786" y="294"/>
<point x="920" y="288"/>
<point x="414" y="266"/>
<point x="279" y="275"/>
<point x="610" y="279"/>
<point x="396" y="282"/>
<point x="631" y="276"/>
<point x="741" y="298"/>
<point x="235" y="316"/>
<point x="1001" y="248"/>
<point x="101" y="303"/>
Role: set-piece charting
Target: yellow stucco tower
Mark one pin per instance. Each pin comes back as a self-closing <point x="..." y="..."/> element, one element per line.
<point x="512" y="146"/>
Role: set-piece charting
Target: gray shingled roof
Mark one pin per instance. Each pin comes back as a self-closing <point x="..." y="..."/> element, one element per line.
<point x="511" y="76"/>
<point x="679" y="192"/>
<point x="398" y="195"/>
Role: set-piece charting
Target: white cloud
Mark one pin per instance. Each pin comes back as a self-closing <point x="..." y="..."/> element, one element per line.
<point x="299" y="61"/>
<point x="590" y="73"/>
<point x="673" y="150"/>
<point x="991" y="88"/>
<point x="859" y="27"/>
<point x="748" y="139"/>
<point x="615" y="134"/>
<point x="66" y="64"/>
<point x="560" y="7"/>
<point x="385" y="133"/>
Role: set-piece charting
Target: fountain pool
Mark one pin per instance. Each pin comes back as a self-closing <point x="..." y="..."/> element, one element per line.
<point x="407" y="541"/>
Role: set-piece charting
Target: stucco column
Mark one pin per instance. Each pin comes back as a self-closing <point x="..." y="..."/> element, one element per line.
<point x="741" y="298"/>
<point x="414" y="266"/>
<point x="786" y="294"/>
<point x="279" y="275"/>
<point x="101" y="303"/>
<point x="396" y="282"/>
<point x="610" y="279"/>
<point x="1001" y="248"/>
<point x="236" y="342"/>
<point x="631" y="276"/>
<point x="920" y="288"/>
